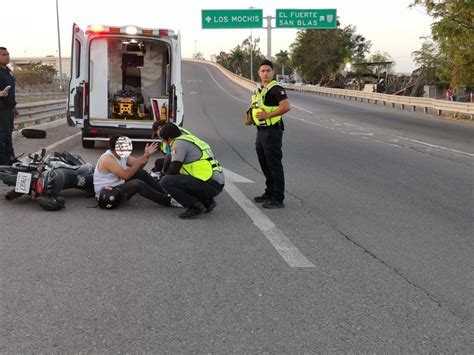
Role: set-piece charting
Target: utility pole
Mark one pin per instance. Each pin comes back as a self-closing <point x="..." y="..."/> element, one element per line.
<point x="269" y="37"/>
<point x="195" y="49"/>
<point x="251" y="51"/>
<point x="59" y="50"/>
<point x="251" y="55"/>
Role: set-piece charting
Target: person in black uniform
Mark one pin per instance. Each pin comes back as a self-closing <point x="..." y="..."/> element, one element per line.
<point x="8" y="109"/>
<point x="269" y="103"/>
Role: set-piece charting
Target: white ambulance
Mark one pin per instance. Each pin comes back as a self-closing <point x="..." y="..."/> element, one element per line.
<point x="123" y="79"/>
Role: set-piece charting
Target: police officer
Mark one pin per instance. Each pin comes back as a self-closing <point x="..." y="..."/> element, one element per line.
<point x="269" y="103"/>
<point x="194" y="176"/>
<point x="162" y="163"/>
<point x="8" y="109"/>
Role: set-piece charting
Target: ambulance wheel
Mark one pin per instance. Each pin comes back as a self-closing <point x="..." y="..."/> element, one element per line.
<point x="87" y="144"/>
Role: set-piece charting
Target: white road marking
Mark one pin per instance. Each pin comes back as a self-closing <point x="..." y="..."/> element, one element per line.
<point x="224" y="90"/>
<point x="436" y="146"/>
<point x="56" y="144"/>
<point x="302" y="109"/>
<point x="361" y="133"/>
<point x="234" y="177"/>
<point x="281" y="243"/>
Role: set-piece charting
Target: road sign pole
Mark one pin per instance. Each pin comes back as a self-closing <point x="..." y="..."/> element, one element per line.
<point x="269" y="37"/>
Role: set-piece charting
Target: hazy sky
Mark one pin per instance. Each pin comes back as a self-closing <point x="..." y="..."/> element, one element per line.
<point x="28" y="27"/>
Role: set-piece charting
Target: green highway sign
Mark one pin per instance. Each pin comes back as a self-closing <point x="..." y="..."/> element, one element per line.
<point x="297" y="18"/>
<point x="245" y="18"/>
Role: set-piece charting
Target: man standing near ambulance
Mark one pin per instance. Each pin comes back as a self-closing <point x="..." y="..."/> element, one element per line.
<point x="8" y="109"/>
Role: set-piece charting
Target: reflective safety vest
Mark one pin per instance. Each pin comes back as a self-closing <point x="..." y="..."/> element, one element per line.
<point x="164" y="147"/>
<point x="204" y="167"/>
<point x="258" y="105"/>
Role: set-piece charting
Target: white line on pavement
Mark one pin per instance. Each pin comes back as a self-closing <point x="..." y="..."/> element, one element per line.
<point x="436" y="146"/>
<point x="56" y="144"/>
<point x="291" y="254"/>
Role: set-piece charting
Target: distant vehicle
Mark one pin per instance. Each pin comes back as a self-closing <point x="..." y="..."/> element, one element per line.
<point x="123" y="79"/>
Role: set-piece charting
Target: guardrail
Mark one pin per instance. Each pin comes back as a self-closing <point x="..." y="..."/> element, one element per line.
<point x="36" y="112"/>
<point x="438" y="106"/>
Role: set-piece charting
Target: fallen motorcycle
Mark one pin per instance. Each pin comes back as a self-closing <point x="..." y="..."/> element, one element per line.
<point x="43" y="177"/>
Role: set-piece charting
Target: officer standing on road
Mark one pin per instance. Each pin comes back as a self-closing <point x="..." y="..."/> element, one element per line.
<point x="8" y="109"/>
<point x="194" y="176"/>
<point x="269" y="103"/>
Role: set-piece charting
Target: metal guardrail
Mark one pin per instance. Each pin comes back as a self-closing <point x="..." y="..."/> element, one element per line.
<point x="438" y="106"/>
<point x="36" y="112"/>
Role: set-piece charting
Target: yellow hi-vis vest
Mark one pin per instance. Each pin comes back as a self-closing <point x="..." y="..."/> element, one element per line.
<point x="203" y="168"/>
<point x="258" y="105"/>
<point x="163" y="145"/>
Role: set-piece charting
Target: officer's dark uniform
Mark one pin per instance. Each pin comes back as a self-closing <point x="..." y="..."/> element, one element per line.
<point x="7" y="104"/>
<point x="268" y="145"/>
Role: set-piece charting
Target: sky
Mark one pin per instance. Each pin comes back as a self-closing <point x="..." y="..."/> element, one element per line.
<point x="29" y="28"/>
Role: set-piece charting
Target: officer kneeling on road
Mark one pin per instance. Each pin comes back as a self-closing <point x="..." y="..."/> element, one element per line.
<point x="162" y="163"/>
<point x="194" y="177"/>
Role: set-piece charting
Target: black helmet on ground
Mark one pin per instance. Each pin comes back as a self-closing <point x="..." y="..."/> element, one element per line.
<point x="109" y="197"/>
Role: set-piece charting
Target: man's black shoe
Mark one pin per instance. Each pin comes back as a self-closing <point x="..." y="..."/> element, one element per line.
<point x="192" y="212"/>
<point x="273" y="204"/>
<point x="210" y="205"/>
<point x="263" y="198"/>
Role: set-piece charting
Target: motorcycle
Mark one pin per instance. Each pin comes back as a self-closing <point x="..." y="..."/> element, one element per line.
<point x="43" y="177"/>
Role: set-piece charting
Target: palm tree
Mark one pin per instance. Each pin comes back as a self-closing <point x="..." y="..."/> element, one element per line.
<point x="283" y="58"/>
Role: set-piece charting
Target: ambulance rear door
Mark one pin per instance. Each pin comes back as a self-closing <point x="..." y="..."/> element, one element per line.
<point x="78" y="86"/>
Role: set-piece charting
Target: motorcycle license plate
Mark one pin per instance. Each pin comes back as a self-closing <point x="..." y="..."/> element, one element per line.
<point x="23" y="183"/>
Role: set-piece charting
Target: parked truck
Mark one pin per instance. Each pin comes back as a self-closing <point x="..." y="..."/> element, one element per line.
<point x="123" y="79"/>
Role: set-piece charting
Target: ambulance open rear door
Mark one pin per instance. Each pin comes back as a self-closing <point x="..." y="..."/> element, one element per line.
<point x="78" y="88"/>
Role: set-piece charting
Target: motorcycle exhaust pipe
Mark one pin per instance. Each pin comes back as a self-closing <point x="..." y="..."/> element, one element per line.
<point x="11" y="195"/>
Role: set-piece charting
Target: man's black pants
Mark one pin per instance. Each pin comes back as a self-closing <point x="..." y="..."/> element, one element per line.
<point x="268" y="145"/>
<point x="6" y="128"/>
<point x="188" y="190"/>
<point x="146" y="186"/>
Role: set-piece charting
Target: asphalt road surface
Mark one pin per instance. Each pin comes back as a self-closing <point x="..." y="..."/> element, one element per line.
<point x="373" y="252"/>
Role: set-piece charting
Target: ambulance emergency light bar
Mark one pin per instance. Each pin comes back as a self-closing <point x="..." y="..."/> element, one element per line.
<point x="130" y="30"/>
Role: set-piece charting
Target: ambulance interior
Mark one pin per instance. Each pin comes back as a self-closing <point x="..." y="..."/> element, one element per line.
<point x="129" y="79"/>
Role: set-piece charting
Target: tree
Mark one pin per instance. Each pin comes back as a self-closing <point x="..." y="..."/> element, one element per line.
<point x="379" y="57"/>
<point x="198" y="56"/>
<point x="429" y="57"/>
<point x="318" y="53"/>
<point x="283" y="62"/>
<point x="238" y="60"/>
<point x="35" y="73"/>
<point x="453" y="37"/>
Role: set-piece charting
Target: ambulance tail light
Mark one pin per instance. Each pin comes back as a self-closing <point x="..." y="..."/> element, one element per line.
<point x="163" y="33"/>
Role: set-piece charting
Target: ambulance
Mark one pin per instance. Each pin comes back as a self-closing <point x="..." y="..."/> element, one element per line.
<point x="122" y="80"/>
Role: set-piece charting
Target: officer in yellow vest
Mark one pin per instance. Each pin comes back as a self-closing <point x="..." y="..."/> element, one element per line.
<point x="268" y="104"/>
<point x="162" y="163"/>
<point x="194" y="176"/>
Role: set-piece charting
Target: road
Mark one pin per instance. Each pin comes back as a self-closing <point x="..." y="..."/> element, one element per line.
<point x="373" y="252"/>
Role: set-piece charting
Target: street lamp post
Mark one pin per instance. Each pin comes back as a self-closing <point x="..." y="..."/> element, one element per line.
<point x="251" y="51"/>
<point x="59" y="50"/>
